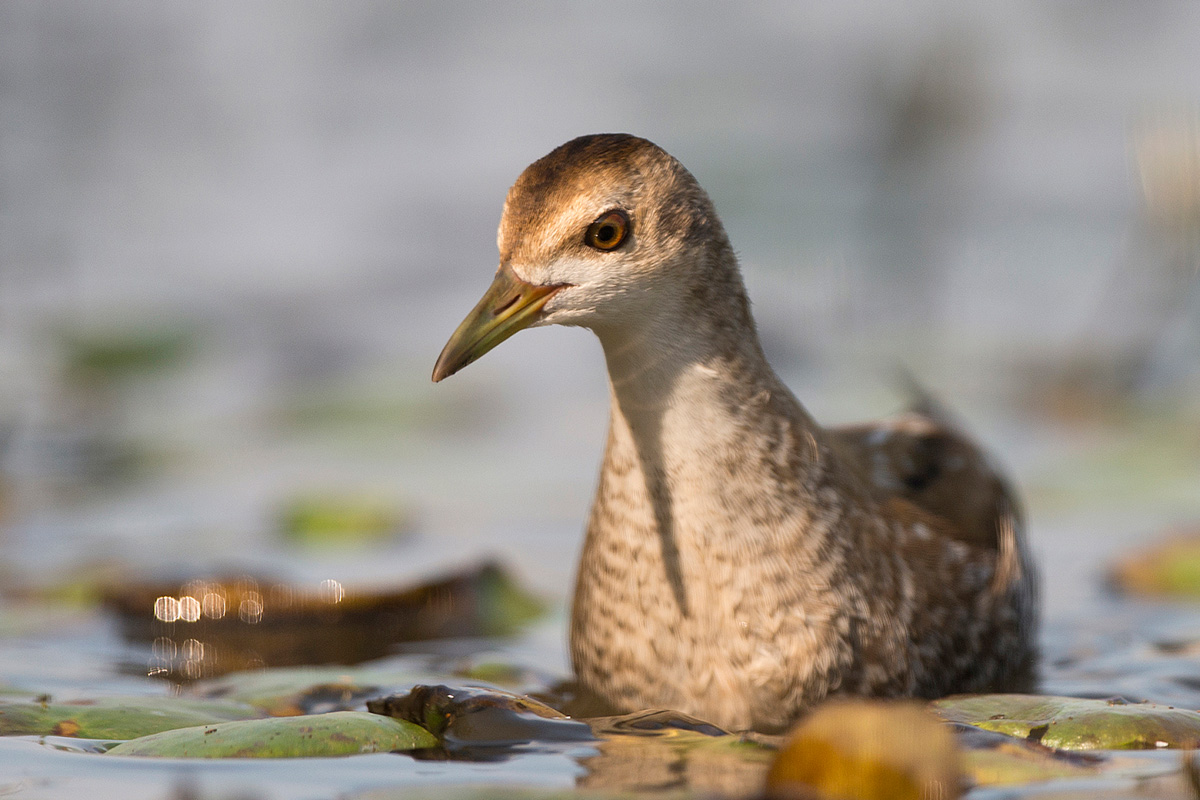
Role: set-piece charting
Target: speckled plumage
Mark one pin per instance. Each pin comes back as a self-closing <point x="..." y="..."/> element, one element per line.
<point x="742" y="562"/>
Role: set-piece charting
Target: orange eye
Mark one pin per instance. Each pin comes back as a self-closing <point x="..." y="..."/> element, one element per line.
<point x="608" y="231"/>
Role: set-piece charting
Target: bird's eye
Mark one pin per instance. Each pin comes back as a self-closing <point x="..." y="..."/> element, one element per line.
<point x="608" y="231"/>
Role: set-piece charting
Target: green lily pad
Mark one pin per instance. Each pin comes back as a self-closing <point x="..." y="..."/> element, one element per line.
<point x="1171" y="568"/>
<point x="114" y="717"/>
<point x="295" y="691"/>
<point x="504" y="606"/>
<point x="116" y="352"/>
<point x="339" y="520"/>
<point x="494" y="672"/>
<point x="339" y="733"/>
<point x="1070" y="723"/>
<point x="292" y="691"/>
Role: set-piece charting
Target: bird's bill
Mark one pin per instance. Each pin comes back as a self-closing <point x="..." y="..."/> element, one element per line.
<point x="509" y="305"/>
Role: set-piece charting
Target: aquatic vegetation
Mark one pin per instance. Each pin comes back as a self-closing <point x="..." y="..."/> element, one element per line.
<point x="294" y="691"/>
<point x="467" y="716"/>
<point x="115" y="717"/>
<point x="338" y="733"/>
<point x="1170" y="568"/>
<point x="994" y="759"/>
<point x="205" y="627"/>
<point x="1072" y="723"/>
<point x="339" y="520"/>
<point x="116" y="353"/>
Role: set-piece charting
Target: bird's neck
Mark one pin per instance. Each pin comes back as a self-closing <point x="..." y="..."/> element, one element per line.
<point x="700" y="423"/>
<point x="674" y="376"/>
<point x="709" y="489"/>
<point x="694" y="345"/>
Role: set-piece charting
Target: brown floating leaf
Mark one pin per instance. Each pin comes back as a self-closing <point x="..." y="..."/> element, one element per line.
<point x="204" y="628"/>
<point x="865" y="750"/>
<point x="67" y="727"/>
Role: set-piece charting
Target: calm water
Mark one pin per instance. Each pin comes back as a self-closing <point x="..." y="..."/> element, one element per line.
<point x="303" y="198"/>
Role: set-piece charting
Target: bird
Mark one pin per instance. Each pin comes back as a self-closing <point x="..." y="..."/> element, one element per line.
<point x="742" y="563"/>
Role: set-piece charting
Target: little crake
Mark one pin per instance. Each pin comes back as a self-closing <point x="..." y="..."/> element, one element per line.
<point x="743" y="562"/>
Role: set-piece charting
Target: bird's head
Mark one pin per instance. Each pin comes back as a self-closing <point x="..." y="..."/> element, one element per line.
<point x="603" y="231"/>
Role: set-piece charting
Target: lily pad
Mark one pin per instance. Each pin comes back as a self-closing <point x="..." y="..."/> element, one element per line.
<point x="495" y="672"/>
<point x="1170" y="568"/>
<point x="296" y="691"/>
<point x="340" y="733"/>
<point x="1070" y="723"/>
<point x="340" y="520"/>
<point x="115" y="353"/>
<point x="114" y="717"/>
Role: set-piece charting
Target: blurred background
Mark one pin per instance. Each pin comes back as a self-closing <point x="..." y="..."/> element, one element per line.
<point x="234" y="237"/>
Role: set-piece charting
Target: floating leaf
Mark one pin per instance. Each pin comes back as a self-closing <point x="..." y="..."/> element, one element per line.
<point x="1169" y="568"/>
<point x="339" y="520"/>
<point x="340" y="733"/>
<point x="495" y="672"/>
<point x="1071" y="723"/>
<point x="504" y="607"/>
<point x="207" y="627"/>
<point x="115" y="353"/>
<point x="114" y="717"/>
<point x="295" y="691"/>
<point x="867" y="749"/>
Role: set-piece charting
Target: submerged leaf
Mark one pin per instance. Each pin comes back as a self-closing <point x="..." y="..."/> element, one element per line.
<point x="1071" y="723"/>
<point x="473" y="717"/>
<point x="340" y="733"/>
<point x="994" y="759"/>
<point x="1013" y="767"/>
<point x="649" y="751"/>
